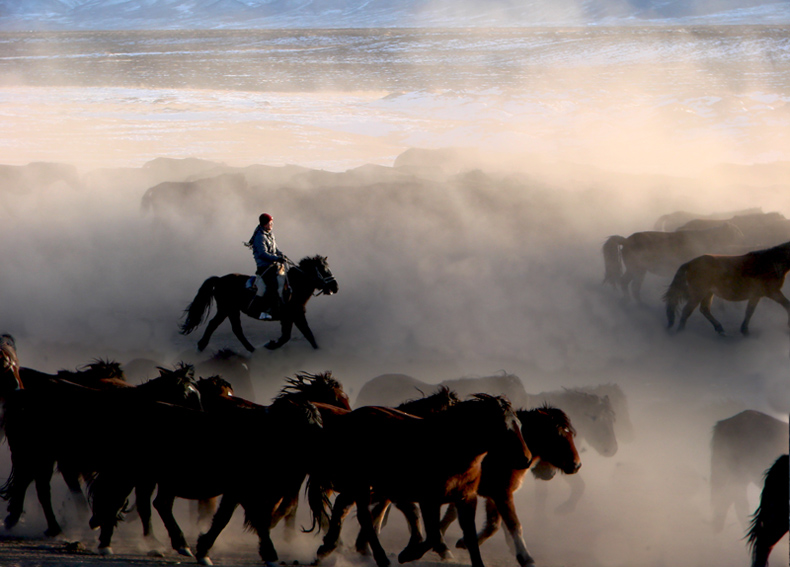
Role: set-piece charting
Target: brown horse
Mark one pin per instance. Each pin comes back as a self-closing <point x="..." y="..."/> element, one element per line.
<point x="660" y="253"/>
<point x="748" y="277"/>
<point x="404" y="458"/>
<point x="742" y="447"/>
<point x="233" y="297"/>
<point x="770" y="520"/>
<point x="549" y="435"/>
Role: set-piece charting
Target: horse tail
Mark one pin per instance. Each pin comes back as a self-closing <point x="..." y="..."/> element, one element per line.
<point x="318" y="491"/>
<point x="612" y="259"/>
<point x="8" y="487"/>
<point x="770" y="520"/>
<point x="198" y="310"/>
<point x="677" y="292"/>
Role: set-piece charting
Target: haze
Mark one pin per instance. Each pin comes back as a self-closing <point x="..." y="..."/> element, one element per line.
<point x="454" y="263"/>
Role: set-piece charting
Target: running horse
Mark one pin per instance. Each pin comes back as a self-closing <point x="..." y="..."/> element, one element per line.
<point x="403" y="458"/>
<point x="233" y="297"/>
<point x="660" y="253"/>
<point x="748" y="277"/>
<point x="770" y="520"/>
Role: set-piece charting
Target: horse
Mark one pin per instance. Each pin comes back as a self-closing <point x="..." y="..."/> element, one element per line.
<point x="548" y="433"/>
<point x="760" y="230"/>
<point x="660" y="253"/>
<point x="218" y="399"/>
<point x="770" y="520"/>
<point x="404" y="458"/>
<point x="742" y="447"/>
<point x="54" y="421"/>
<point x="243" y="438"/>
<point x="233" y="297"/>
<point x="672" y="221"/>
<point x="748" y="277"/>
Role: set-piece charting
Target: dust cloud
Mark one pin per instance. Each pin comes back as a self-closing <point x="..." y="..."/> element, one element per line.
<point x="466" y="259"/>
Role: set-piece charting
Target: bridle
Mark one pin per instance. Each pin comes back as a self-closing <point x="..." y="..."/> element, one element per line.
<point x="323" y="280"/>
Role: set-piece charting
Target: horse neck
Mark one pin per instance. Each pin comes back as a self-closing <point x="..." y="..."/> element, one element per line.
<point x="473" y="429"/>
<point x="302" y="285"/>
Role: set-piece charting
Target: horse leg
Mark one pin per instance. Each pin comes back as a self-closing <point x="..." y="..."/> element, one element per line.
<point x="636" y="286"/>
<point x="365" y="520"/>
<point x="466" y="519"/>
<point x="143" y="494"/>
<point x="206" y="509"/>
<point x="431" y="512"/>
<point x="340" y="509"/>
<point x="72" y="480"/>
<point x="285" y="335"/>
<point x="412" y="515"/>
<point x="380" y="508"/>
<point x="164" y="505"/>
<point x="227" y="506"/>
<point x="505" y="507"/>
<point x="109" y="498"/>
<point x="493" y="519"/>
<point x="780" y="298"/>
<point x="258" y="514"/>
<point x="704" y="308"/>
<point x="210" y="328"/>
<point x="751" y="305"/>
<point x="688" y="309"/>
<point x="450" y="515"/>
<point x="235" y="324"/>
<point x="17" y="484"/>
<point x="301" y="323"/>
<point x="44" y="492"/>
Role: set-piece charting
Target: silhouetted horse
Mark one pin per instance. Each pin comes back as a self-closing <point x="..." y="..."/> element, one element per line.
<point x="404" y="458"/>
<point x="660" y="253"/>
<point x="772" y="518"/>
<point x="233" y="367"/>
<point x="217" y="399"/>
<point x="549" y="435"/>
<point x="748" y="277"/>
<point x="232" y="297"/>
<point x="259" y="454"/>
<point x="58" y="421"/>
<point x="742" y="447"/>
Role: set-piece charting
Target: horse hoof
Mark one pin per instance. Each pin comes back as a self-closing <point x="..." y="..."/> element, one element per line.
<point x="204" y="561"/>
<point x="105" y="551"/>
<point x="460" y="544"/>
<point x="185" y="551"/>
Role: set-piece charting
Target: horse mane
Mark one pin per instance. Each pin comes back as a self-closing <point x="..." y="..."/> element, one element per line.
<point x="98" y="367"/>
<point x="317" y="259"/>
<point x="559" y="418"/>
<point x="440" y="400"/>
<point x="303" y="383"/>
<point x="213" y="385"/>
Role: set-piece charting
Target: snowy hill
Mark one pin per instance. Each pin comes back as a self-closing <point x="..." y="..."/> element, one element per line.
<point x="237" y="14"/>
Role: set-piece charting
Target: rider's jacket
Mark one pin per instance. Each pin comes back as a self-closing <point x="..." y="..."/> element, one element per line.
<point x="264" y="247"/>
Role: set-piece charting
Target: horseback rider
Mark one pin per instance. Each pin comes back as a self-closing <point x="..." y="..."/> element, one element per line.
<point x="269" y="260"/>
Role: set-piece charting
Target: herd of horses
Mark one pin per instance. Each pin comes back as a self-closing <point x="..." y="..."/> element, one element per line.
<point x="742" y="258"/>
<point x="114" y="440"/>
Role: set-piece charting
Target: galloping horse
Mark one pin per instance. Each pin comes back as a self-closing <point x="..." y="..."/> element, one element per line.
<point x="748" y="277"/>
<point x="303" y="389"/>
<point x="660" y="253"/>
<point x="233" y="297"/>
<point x="548" y="433"/>
<point x="770" y="520"/>
<point x="742" y="447"/>
<point x="403" y="458"/>
<point x="56" y="420"/>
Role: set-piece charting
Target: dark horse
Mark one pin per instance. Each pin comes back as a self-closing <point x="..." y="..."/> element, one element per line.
<point x="59" y="421"/>
<point x="233" y="297"/>
<point x="403" y="458"/>
<point x="742" y="447"/>
<point x="770" y="520"/>
<point x="748" y="277"/>
<point x="660" y="253"/>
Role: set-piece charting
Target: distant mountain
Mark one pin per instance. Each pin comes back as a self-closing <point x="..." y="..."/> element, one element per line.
<point x="236" y="14"/>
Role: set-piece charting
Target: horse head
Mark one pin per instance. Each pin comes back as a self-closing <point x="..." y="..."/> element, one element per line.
<point x="174" y="386"/>
<point x="10" y="365"/>
<point x="549" y="435"/>
<point x="320" y="387"/>
<point x="595" y="421"/>
<point x="317" y="268"/>
<point x="214" y="387"/>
